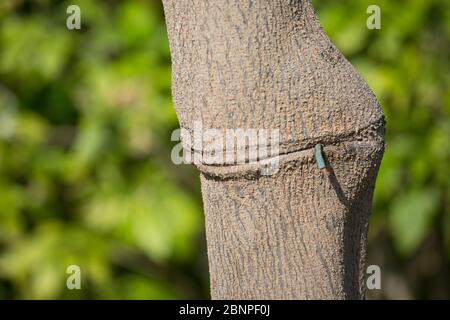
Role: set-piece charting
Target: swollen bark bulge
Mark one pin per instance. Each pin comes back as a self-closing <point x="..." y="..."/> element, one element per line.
<point x="264" y="64"/>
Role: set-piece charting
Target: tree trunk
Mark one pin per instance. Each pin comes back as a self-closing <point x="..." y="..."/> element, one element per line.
<point x="299" y="233"/>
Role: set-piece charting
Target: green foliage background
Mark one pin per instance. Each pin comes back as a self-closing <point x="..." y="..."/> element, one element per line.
<point x="85" y="171"/>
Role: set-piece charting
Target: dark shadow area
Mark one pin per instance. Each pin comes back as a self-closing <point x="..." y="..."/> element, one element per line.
<point x="355" y="228"/>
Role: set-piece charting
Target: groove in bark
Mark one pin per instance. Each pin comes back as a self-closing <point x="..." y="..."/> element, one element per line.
<point x="268" y="65"/>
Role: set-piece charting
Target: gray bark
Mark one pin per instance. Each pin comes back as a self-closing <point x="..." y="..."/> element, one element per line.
<point x="298" y="234"/>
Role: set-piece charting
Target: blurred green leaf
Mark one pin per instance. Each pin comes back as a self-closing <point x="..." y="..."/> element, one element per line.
<point x="411" y="217"/>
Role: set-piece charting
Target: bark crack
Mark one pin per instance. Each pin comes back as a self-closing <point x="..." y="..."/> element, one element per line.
<point x="369" y="136"/>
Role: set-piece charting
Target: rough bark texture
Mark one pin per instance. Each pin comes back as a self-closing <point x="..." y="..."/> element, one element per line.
<point x="267" y="64"/>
